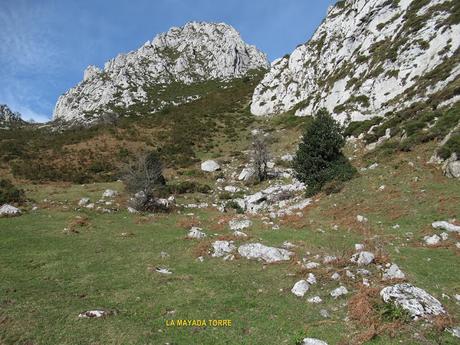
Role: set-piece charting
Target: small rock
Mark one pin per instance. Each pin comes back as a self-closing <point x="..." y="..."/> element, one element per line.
<point x="231" y="189"/>
<point x="164" y="255"/>
<point x="9" y="211"/>
<point x="349" y="274"/>
<point x="313" y="341"/>
<point x="83" y="201"/>
<point x="381" y="188"/>
<point x="329" y="258"/>
<point x="239" y="224"/>
<point x="109" y="193"/>
<point x="340" y="291"/>
<point x="196" y="233"/>
<point x="311" y="265"/>
<point x="315" y="299"/>
<point x="94" y="314"/>
<point x="222" y="248"/>
<point x="210" y="166"/>
<point x="300" y="288"/>
<point x="132" y="210"/>
<point x="324" y="313"/>
<point x="359" y="247"/>
<point x="162" y="270"/>
<point x="311" y="279"/>
<point x="455" y="331"/>
<point x="432" y="240"/>
<point x="335" y="276"/>
<point x="393" y="272"/>
<point x="363" y="258"/>
<point x="444" y="236"/>
<point x="361" y="219"/>
<point x="239" y="234"/>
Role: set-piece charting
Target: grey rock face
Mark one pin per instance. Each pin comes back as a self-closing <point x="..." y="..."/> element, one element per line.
<point x="265" y="253"/>
<point x="416" y="301"/>
<point x="196" y="52"/>
<point x="339" y="68"/>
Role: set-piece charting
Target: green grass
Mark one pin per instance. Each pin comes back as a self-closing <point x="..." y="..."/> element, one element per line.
<point x="49" y="277"/>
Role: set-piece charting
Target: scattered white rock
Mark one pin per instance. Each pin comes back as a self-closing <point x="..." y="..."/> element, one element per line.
<point x="222" y="248"/>
<point x="455" y="331"/>
<point x="443" y="225"/>
<point x="349" y="274"/>
<point x="162" y="270"/>
<point x="300" y="288"/>
<point x="361" y="219"/>
<point x="94" y="314"/>
<point x="315" y="299"/>
<point x="457" y="297"/>
<point x="132" y="210"/>
<point x="329" y="259"/>
<point x="311" y="279"/>
<point x="239" y="224"/>
<point x="381" y="188"/>
<point x="90" y="206"/>
<point x="444" y="236"/>
<point x="363" y="258"/>
<point x="340" y="291"/>
<point x="359" y="247"/>
<point x="231" y="189"/>
<point x="335" y="276"/>
<point x="196" y="233"/>
<point x="311" y="265"/>
<point x="9" y="211"/>
<point x="262" y="252"/>
<point x="288" y="245"/>
<point x="432" y="240"/>
<point x="239" y="234"/>
<point x="313" y="341"/>
<point x="109" y="193"/>
<point x="287" y="158"/>
<point x="393" y="272"/>
<point x="246" y="174"/>
<point x="413" y="299"/>
<point x="83" y="201"/>
<point x="210" y="166"/>
<point x="373" y="166"/>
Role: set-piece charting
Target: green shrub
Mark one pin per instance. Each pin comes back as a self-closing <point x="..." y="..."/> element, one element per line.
<point x="319" y="159"/>
<point x="451" y="146"/>
<point x="9" y="193"/>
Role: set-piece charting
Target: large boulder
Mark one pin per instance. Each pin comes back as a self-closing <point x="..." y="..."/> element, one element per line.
<point x="416" y="301"/>
<point x="210" y="166"/>
<point x="261" y="252"/>
<point x="9" y="211"/>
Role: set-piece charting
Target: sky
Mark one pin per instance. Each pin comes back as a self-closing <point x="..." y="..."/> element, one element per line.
<point x="45" y="45"/>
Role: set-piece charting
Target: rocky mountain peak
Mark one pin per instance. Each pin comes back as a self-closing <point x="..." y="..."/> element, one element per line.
<point x="367" y="58"/>
<point x="197" y="52"/>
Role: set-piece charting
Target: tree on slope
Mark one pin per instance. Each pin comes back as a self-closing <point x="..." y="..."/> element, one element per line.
<point x="319" y="161"/>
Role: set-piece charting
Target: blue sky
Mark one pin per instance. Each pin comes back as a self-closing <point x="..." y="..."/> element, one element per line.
<point x="45" y="45"/>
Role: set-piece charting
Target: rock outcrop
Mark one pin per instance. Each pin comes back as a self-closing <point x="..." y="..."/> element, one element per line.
<point x="194" y="53"/>
<point x="8" y="118"/>
<point x="368" y="57"/>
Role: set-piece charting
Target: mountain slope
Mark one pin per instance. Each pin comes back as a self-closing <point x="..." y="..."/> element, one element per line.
<point x="195" y="53"/>
<point x="368" y="57"/>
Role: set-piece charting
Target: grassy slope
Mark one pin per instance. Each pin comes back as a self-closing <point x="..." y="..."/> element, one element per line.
<point x="48" y="277"/>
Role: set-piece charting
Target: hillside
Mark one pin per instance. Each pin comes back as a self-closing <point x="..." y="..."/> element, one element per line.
<point x="368" y="58"/>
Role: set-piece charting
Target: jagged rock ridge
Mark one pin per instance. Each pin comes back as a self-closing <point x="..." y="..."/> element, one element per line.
<point x="368" y="57"/>
<point x="196" y="52"/>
